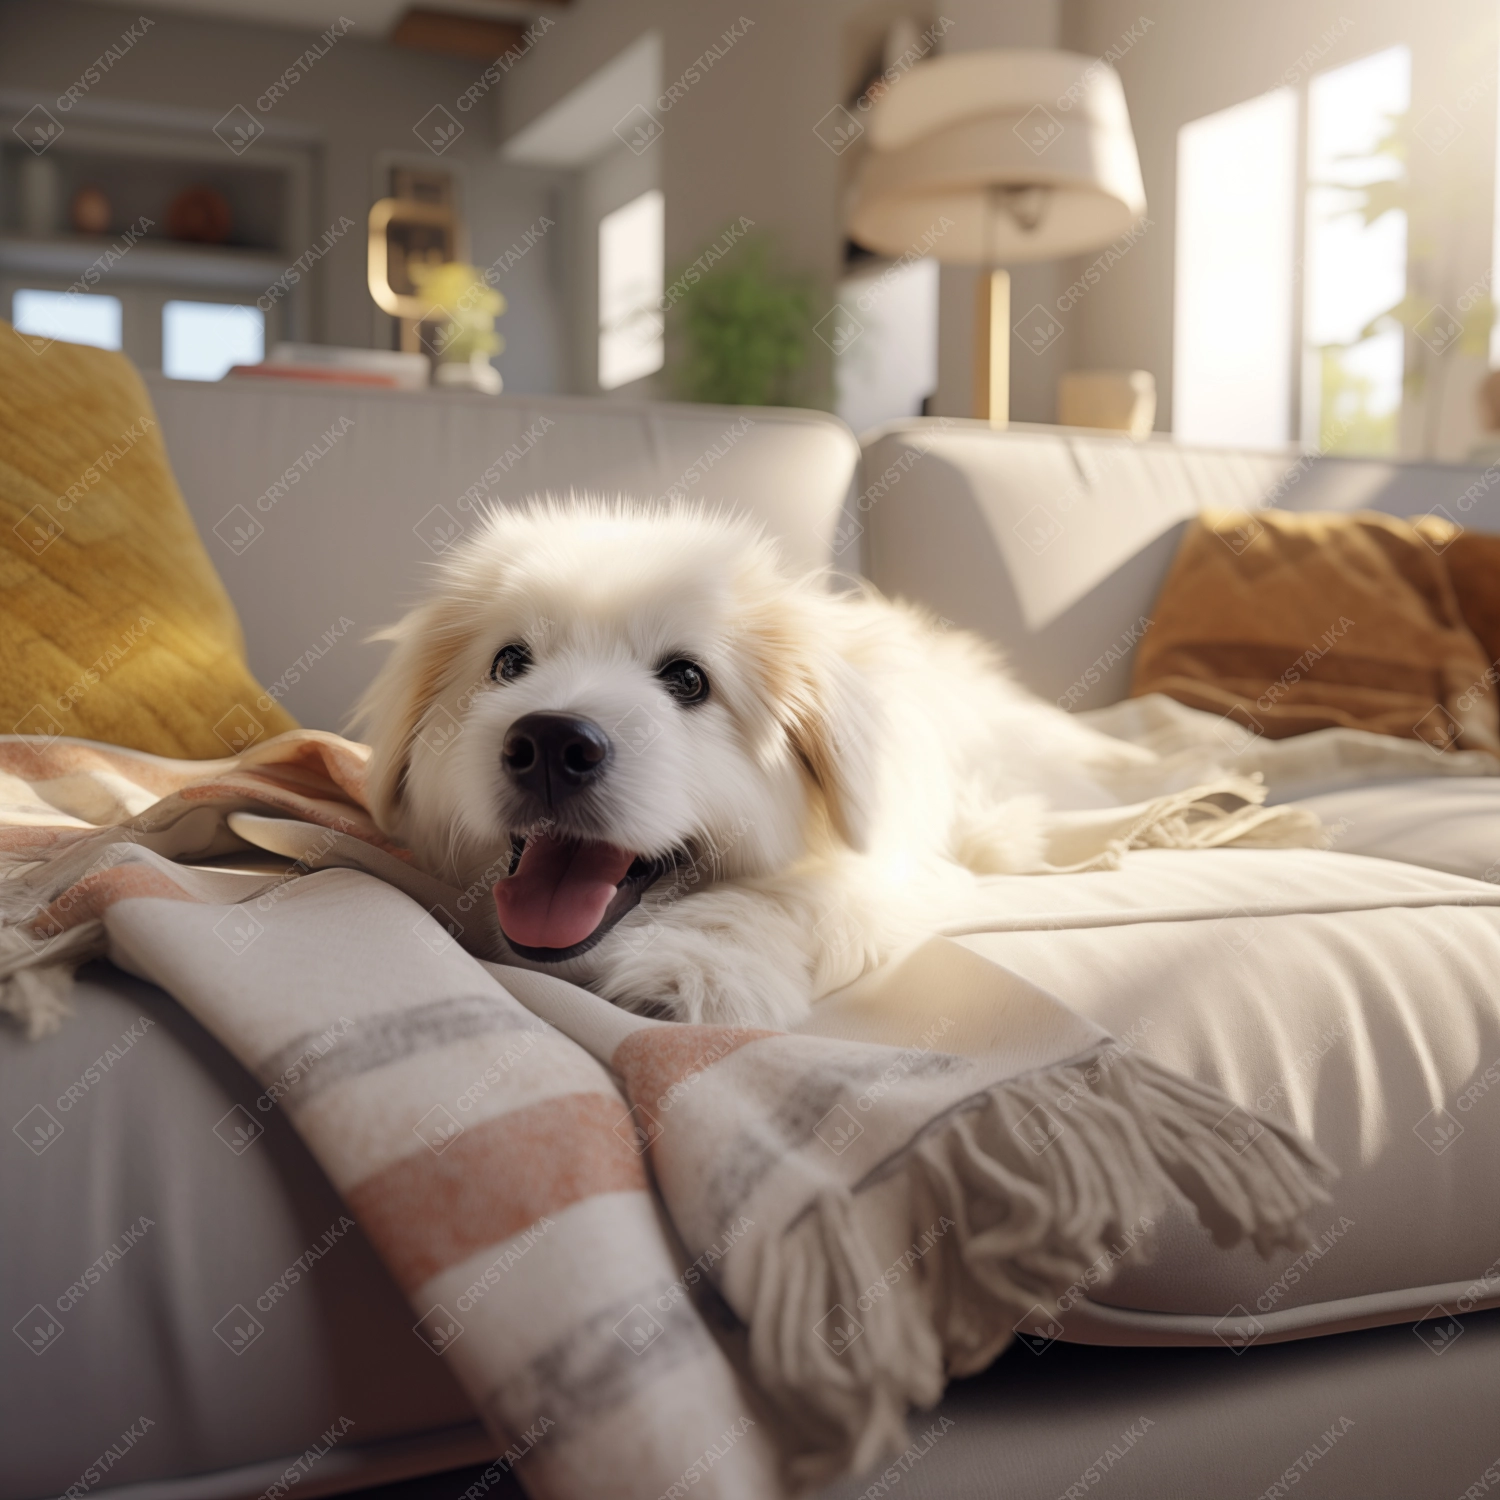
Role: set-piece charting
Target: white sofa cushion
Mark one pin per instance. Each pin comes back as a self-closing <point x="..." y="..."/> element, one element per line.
<point x="1353" y="998"/>
<point x="1449" y="823"/>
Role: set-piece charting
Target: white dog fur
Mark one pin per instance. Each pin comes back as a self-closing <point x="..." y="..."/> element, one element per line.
<point x="852" y="769"/>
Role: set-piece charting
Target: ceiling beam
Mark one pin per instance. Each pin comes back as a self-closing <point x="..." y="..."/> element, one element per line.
<point x="455" y="33"/>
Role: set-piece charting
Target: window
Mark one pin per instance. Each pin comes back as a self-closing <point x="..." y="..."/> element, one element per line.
<point x="1351" y="381"/>
<point x="1232" y="333"/>
<point x="1239" y="377"/>
<point x="77" y="317"/>
<point x="631" y="255"/>
<point x="201" y="340"/>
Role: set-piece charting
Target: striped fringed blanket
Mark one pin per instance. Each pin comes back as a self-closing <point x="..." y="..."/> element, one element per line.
<point x="657" y="1256"/>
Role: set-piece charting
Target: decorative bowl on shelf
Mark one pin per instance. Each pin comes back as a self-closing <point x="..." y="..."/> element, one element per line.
<point x="90" y="213"/>
<point x="200" y="215"/>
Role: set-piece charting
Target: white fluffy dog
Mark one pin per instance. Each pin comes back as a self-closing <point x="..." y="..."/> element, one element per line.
<point x="696" y="785"/>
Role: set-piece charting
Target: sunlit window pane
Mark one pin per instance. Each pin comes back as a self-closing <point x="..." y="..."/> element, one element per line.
<point x="631" y="255"/>
<point x="77" y="317"/>
<point x="1351" y="385"/>
<point x="1232" y="334"/>
<point x="201" y="340"/>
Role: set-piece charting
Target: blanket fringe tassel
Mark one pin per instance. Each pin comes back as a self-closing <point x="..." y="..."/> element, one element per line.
<point x="1021" y="1198"/>
<point x="36" y="978"/>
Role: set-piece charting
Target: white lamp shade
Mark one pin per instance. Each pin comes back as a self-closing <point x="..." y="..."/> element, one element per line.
<point x="951" y="132"/>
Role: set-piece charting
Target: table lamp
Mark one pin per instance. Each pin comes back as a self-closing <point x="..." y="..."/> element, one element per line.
<point x="1027" y="154"/>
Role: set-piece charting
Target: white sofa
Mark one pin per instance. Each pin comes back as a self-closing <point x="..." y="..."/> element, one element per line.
<point x="1051" y="543"/>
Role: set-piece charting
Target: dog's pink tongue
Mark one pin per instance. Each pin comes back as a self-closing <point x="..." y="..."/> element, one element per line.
<point x="559" y="892"/>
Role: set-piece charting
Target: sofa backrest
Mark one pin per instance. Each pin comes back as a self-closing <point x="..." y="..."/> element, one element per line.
<point x="320" y="505"/>
<point x="1054" y="543"/>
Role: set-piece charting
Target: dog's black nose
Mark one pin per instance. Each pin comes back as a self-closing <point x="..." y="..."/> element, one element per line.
<point x="552" y="756"/>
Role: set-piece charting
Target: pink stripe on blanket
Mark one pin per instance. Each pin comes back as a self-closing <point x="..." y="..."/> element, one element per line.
<point x="40" y="840"/>
<point x="656" y="1059"/>
<point x="93" y="895"/>
<point x="309" y="762"/>
<point x="47" y="760"/>
<point x="426" y="1212"/>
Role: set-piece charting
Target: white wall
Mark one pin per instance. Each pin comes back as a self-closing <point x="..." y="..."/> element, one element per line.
<point x="507" y="208"/>
<point x="607" y="184"/>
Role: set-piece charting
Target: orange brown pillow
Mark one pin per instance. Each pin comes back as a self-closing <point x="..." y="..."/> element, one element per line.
<point x="1292" y="622"/>
<point x="1473" y="561"/>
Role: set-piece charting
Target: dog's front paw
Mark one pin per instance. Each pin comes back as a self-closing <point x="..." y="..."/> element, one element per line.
<point x="690" y="972"/>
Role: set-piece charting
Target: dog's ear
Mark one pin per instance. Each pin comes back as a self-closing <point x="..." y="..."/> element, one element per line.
<point x="392" y="707"/>
<point x="835" y="736"/>
<point x="826" y="708"/>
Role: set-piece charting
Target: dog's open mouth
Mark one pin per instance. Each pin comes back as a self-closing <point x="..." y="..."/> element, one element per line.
<point x="562" y="895"/>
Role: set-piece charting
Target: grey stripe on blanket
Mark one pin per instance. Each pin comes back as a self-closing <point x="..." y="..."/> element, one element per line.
<point x="314" y="1061"/>
<point x="601" y="1363"/>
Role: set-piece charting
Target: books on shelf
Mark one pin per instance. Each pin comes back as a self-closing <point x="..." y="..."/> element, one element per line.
<point x="331" y="365"/>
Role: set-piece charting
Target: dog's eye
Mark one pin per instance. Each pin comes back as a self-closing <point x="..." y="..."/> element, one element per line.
<point x="685" y="680"/>
<point x="510" y="662"/>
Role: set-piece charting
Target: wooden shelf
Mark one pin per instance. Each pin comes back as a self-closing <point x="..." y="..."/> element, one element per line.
<point x="225" y="268"/>
<point x="142" y="157"/>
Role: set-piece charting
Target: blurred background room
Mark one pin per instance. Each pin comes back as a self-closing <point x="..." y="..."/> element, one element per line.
<point x="655" y="200"/>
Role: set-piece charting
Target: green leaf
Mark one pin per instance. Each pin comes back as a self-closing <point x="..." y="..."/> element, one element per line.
<point x="745" y="332"/>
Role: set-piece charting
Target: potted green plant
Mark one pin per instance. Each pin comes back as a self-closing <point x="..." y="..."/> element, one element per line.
<point x="464" y="309"/>
<point x="743" y="331"/>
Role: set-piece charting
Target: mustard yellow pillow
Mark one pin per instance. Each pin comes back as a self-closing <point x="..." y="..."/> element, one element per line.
<point x="113" y="624"/>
